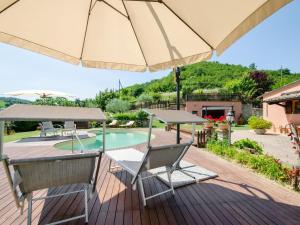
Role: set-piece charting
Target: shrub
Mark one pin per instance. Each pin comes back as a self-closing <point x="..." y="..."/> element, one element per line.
<point x="125" y="116"/>
<point x="145" y="99"/>
<point x="117" y="106"/>
<point x="141" y="116"/>
<point x="263" y="164"/>
<point x="23" y="126"/>
<point x="259" y="123"/>
<point x="247" y="143"/>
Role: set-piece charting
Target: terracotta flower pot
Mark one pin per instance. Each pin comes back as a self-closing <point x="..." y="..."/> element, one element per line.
<point x="260" y="131"/>
<point x="223" y="126"/>
<point x="208" y="125"/>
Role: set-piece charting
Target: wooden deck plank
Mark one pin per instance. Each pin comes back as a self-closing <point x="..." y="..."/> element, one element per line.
<point x="237" y="196"/>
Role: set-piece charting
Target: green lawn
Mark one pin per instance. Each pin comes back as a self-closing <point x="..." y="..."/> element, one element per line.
<point x="18" y="136"/>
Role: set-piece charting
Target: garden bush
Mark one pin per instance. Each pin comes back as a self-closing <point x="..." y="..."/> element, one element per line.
<point x="125" y="116"/>
<point x="23" y="126"/>
<point x="140" y="117"/>
<point x="117" y="106"/>
<point x="259" y="123"/>
<point x="263" y="164"/>
<point x="247" y="143"/>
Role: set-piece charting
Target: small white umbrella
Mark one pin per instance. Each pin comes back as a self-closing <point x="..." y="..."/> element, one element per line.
<point x="40" y="93"/>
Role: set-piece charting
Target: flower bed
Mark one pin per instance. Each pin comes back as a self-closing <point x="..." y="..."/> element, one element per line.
<point x="264" y="164"/>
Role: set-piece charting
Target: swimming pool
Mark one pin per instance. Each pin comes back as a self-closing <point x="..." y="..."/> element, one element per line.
<point x="114" y="139"/>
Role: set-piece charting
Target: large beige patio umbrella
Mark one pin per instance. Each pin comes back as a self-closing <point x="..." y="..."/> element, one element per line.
<point x="133" y="35"/>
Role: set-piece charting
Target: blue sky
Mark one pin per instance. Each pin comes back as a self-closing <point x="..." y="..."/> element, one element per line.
<point x="273" y="43"/>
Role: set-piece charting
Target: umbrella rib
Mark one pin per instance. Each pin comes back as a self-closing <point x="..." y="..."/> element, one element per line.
<point x="206" y="42"/>
<point x="135" y="33"/>
<point x="114" y="8"/>
<point x="10" y="5"/>
<point x="86" y="28"/>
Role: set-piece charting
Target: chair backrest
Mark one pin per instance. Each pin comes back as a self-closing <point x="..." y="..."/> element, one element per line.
<point x="167" y="156"/>
<point x="69" y="125"/>
<point x="47" y="125"/>
<point x="39" y="173"/>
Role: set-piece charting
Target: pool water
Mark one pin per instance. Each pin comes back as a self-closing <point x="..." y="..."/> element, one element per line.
<point x="114" y="139"/>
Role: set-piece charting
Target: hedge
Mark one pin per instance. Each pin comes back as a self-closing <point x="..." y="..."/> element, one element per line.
<point x="264" y="164"/>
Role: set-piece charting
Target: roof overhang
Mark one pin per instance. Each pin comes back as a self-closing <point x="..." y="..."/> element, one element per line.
<point x="283" y="98"/>
<point x="27" y="112"/>
<point x="174" y="116"/>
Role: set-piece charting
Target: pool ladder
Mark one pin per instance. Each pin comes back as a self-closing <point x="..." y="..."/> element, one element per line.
<point x="74" y="134"/>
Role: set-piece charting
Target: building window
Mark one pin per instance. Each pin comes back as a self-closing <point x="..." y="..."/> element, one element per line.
<point x="289" y="107"/>
<point x="195" y="112"/>
<point x="296" y="107"/>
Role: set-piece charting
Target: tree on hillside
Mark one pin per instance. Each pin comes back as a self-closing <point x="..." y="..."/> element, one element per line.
<point x="117" y="106"/>
<point x="2" y="104"/>
<point x="103" y="97"/>
<point x="145" y="99"/>
<point x="262" y="81"/>
<point x="59" y="101"/>
<point x="244" y="87"/>
<point x="252" y="66"/>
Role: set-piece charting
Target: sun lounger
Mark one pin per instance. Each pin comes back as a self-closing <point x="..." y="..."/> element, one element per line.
<point x="128" y="124"/>
<point x="48" y="127"/>
<point x="69" y="126"/>
<point x="113" y="123"/>
<point x="38" y="173"/>
<point x="139" y="164"/>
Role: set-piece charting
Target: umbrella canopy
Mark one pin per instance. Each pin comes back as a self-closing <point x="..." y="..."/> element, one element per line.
<point x="133" y="35"/>
<point x="40" y="93"/>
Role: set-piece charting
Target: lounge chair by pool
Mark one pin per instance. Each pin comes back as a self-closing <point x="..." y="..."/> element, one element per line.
<point x="113" y="123"/>
<point x="48" y="127"/>
<point x="128" y="124"/>
<point x="69" y="126"/>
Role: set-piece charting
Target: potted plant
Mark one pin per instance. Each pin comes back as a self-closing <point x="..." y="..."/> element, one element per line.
<point x="223" y="125"/>
<point x="209" y="124"/>
<point x="259" y="125"/>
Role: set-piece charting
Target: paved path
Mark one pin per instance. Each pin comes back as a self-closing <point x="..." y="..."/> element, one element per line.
<point x="277" y="145"/>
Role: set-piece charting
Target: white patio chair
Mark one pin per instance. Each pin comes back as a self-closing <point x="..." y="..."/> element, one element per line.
<point x="137" y="163"/>
<point x="46" y="172"/>
<point x="48" y="127"/>
<point x="69" y="126"/>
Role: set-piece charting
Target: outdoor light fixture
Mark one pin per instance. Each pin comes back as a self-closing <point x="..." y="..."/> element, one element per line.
<point x="230" y="120"/>
<point x="230" y="117"/>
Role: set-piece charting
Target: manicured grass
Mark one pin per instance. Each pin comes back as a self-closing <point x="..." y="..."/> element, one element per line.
<point x="18" y="136"/>
<point x="158" y="124"/>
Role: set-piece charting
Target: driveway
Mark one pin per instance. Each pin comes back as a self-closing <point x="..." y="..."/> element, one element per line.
<point x="277" y="145"/>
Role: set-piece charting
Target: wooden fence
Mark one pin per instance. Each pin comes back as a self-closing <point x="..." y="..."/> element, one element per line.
<point x="201" y="136"/>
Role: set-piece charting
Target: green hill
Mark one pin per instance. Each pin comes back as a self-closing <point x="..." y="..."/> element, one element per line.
<point x="209" y="75"/>
<point x="10" y="101"/>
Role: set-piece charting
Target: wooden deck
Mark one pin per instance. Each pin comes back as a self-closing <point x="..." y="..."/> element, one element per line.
<point x="237" y="196"/>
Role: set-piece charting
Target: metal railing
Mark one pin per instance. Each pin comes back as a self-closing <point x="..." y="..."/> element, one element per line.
<point x="74" y="134"/>
<point x="212" y="97"/>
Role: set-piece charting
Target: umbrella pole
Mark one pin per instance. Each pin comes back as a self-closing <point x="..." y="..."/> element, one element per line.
<point x="1" y="138"/>
<point x="177" y="78"/>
